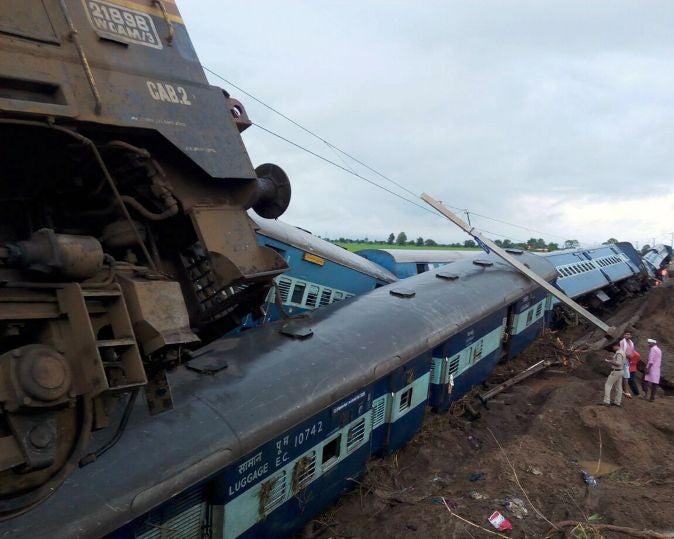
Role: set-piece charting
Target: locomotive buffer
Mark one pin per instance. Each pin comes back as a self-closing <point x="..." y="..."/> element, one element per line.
<point x="489" y="245"/>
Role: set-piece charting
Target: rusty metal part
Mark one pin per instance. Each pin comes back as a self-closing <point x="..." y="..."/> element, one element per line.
<point x="273" y="191"/>
<point x="21" y="491"/>
<point x="83" y="57"/>
<point x="97" y="155"/>
<point x="158" y="313"/>
<point x="66" y="255"/>
<point x="239" y="113"/>
<point x="34" y="376"/>
<point x="158" y="393"/>
<point x="42" y="372"/>
<point x="119" y="234"/>
<point x="167" y="19"/>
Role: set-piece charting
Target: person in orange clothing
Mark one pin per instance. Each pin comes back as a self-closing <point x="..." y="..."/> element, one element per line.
<point x="634" y="361"/>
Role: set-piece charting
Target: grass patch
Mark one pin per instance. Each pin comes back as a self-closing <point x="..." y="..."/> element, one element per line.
<point x="359" y="246"/>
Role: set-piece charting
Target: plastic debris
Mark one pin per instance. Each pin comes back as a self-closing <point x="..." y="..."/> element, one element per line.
<point x="500" y="522"/>
<point x="534" y="471"/>
<point x="475" y="495"/>
<point x="474" y="442"/>
<point x="477" y="476"/>
<point x="589" y="480"/>
<point x="515" y="506"/>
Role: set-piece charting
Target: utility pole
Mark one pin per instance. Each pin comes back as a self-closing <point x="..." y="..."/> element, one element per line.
<point x="467" y="216"/>
<point x="501" y="253"/>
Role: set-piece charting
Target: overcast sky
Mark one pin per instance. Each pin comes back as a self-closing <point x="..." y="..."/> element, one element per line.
<point x="558" y="116"/>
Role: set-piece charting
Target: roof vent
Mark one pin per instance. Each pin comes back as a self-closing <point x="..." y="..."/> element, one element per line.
<point x="403" y="293"/>
<point x="447" y="276"/>
<point x="296" y="331"/>
<point x="514" y="251"/>
<point x="483" y="262"/>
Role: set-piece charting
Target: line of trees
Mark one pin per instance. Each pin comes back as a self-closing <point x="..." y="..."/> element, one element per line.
<point x="533" y="244"/>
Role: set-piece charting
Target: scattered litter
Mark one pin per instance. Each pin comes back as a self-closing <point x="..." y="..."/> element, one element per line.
<point x="589" y="480"/>
<point x="534" y="471"/>
<point x="474" y="442"/>
<point x="477" y="476"/>
<point x="500" y="522"/>
<point x="477" y="495"/>
<point x="515" y="506"/>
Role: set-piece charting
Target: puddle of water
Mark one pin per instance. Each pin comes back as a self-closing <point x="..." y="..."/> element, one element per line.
<point x="605" y="468"/>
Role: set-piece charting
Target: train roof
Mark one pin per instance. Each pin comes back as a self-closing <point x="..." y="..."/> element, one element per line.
<point x="306" y="241"/>
<point x="401" y="256"/>
<point x="253" y="388"/>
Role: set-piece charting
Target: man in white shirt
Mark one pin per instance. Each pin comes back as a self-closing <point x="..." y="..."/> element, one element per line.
<point x="627" y="346"/>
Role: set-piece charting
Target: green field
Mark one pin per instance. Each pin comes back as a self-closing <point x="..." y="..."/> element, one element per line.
<point x="359" y="246"/>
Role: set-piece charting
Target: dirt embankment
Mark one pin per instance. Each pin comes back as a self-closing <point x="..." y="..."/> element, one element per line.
<point x="550" y="428"/>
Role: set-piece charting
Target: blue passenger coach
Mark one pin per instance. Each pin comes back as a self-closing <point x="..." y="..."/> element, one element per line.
<point x="404" y="263"/>
<point x="320" y="272"/>
<point x="593" y="275"/>
<point x="269" y="428"/>
<point x="657" y="258"/>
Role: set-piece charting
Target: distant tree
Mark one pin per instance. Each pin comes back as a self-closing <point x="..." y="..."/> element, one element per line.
<point x="610" y="241"/>
<point x="531" y="243"/>
<point x="342" y="240"/>
<point x="499" y="243"/>
<point x="645" y="249"/>
<point x="430" y="243"/>
<point x="469" y="243"/>
<point x="420" y="241"/>
<point x="552" y="246"/>
<point x="391" y="238"/>
<point x="571" y="244"/>
<point x="507" y="244"/>
<point x="411" y="242"/>
<point x="401" y="239"/>
<point x="540" y="243"/>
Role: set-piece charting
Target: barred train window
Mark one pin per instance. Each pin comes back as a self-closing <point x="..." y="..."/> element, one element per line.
<point x="298" y="293"/>
<point x="405" y="400"/>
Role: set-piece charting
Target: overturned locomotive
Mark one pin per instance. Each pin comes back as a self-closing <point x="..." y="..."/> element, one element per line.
<point x="124" y="237"/>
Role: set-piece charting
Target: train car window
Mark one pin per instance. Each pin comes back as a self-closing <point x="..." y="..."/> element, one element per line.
<point x="356" y="435"/>
<point x="273" y="493"/>
<point x="304" y="471"/>
<point x="284" y="288"/>
<point x="338" y="296"/>
<point x="477" y="351"/>
<point x="421" y="268"/>
<point x="530" y="316"/>
<point x="331" y="452"/>
<point x="298" y="293"/>
<point x="325" y="296"/>
<point x="454" y="365"/>
<point x="312" y="296"/>
<point x="405" y="400"/>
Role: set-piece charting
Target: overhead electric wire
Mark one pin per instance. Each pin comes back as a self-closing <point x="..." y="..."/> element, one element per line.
<point x="360" y="162"/>
<point x="371" y="182"/>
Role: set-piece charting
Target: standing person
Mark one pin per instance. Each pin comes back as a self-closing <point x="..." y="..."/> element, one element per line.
<point x="634" y="361"/>
<point x="627" y="346"/>
<point x="614" y="379"/>
<point x="652" y="377"/>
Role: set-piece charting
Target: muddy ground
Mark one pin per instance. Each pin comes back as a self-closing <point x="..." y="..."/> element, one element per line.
<point x="550" y="428"/>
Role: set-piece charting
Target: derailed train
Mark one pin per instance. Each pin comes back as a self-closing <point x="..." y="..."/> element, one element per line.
<point x="269" y="427"/>
<point x="127" y="245"/>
